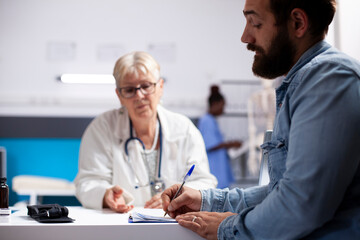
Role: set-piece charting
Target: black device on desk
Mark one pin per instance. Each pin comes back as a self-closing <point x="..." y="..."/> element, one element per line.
<point x="49" y="213"/>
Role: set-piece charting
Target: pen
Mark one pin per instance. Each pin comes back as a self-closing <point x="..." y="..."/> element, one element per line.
<point x="178" y="191"/>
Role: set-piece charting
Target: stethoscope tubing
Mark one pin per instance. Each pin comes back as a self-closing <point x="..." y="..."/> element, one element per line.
<point x="131" y="138"/>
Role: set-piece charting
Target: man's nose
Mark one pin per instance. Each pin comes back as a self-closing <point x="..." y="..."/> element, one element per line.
<point x="247" y="37"/>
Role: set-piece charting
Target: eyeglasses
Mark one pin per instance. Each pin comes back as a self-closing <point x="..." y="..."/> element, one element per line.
<point x="145" y="88"/>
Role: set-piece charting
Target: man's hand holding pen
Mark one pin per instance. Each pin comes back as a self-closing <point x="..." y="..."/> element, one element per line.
<point x="188" y="200"/>
<point x="184" y="203"/>
<point x="185" y="208"/>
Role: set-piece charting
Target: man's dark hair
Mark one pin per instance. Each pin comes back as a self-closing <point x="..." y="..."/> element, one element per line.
<point x="319" y="12"/>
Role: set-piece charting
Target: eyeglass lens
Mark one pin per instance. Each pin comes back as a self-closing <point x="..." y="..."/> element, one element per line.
<point x="145" y="88"/>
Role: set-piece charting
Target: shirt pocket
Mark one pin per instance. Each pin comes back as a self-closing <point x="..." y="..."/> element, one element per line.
<point x="276" y="151"/>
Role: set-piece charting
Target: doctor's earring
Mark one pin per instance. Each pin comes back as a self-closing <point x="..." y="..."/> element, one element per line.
<point x="121" y="110"/>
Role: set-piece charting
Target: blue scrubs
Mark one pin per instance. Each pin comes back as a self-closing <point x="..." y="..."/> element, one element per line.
<point x="218" y="160"/>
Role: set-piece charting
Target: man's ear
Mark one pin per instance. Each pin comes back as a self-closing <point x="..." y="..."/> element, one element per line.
<point x="299" y="22"/>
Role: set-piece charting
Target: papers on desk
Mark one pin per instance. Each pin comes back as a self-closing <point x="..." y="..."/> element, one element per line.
<point x="150" y="216"/>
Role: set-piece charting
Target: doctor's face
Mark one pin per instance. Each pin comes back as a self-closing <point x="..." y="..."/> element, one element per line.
<point x="143" y="104"/>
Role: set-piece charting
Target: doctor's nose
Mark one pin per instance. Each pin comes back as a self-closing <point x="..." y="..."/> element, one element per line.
<point x="139" y="93"/>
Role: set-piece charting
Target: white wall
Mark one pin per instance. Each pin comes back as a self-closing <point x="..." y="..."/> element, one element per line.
<point x="349" y="27"/>
<point x="203" y="37"/>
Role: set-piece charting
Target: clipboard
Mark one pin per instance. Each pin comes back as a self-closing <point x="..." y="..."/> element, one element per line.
<point x="136" y="217"/>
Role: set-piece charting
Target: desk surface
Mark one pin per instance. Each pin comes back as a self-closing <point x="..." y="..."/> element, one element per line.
<point x="89" y="224"/>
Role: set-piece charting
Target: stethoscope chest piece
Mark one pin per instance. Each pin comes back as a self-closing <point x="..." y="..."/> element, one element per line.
<point x="158" y="186"/>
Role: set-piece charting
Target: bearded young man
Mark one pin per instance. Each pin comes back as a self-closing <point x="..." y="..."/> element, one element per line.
<point x="314" y="189"/>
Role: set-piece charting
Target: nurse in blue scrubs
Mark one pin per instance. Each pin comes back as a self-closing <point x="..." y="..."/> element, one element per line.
<point x="216" y="147"/>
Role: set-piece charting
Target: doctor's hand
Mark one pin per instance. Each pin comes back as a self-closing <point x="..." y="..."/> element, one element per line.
<point x="205" y="224"/>
<point x="188" y="200"/>
<point x="154" y="202"/>
<point x="114" y="200"/>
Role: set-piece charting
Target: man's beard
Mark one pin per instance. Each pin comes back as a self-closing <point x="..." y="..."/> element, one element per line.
<point x="279" y="60"/>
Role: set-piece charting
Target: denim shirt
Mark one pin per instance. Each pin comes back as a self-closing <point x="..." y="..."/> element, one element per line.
<point x="314" y="157"/>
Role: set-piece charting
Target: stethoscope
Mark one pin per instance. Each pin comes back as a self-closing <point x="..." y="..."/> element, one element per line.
<point x="158" y="185"/>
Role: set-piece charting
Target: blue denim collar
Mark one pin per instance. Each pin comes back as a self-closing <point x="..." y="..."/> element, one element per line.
<point x="315" y="50"/>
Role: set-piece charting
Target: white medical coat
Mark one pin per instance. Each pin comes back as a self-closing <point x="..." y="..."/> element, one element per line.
<point x="103" y="162"/>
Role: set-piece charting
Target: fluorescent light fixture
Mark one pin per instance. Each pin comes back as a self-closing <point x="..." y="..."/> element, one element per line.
<point x="88" y="78"/>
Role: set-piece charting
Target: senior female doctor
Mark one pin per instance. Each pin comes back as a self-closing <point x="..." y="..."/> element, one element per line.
<point x="129" y="155"/>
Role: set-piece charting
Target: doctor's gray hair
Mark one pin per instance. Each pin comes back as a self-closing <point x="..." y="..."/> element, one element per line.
<point x="136" y="63"/>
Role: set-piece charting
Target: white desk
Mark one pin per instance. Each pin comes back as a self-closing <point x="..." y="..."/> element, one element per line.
<point x="89" y="224"/>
